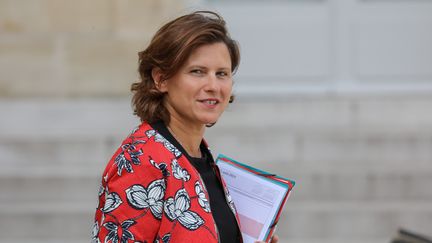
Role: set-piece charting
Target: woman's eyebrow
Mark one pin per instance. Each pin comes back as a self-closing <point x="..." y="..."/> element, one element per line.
<point x="191" y="66"/>
<point x="197" y="66"/>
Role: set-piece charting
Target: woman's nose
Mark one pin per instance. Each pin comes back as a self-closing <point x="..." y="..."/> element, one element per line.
<point x="212" y="82"/>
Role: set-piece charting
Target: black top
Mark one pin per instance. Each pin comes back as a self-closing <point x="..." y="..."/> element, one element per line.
<point x="222" y="214"/>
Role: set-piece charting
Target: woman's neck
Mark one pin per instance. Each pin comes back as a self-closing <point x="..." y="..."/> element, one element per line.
<point x="189" y="137"/>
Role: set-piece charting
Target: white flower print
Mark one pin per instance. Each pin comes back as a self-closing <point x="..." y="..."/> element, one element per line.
<point x="112" y="201"/>
<point x="202" y="200"/>
<point x="139" y="197"/>
<point x="179" y="172"/>
<point x="95" y="233"/>
<point x="178" y="209"/>
<point x="230" y="201"/>
<point x="113" y="228"/>
<point x="165" y="239"/>
<point x="101" y="189"/>
<point x="160" y="139"/>
<point x="129" y="155"/>
<point x="150" y="133"/>
<point x="161" y="166"/>
<point x="134" y="130"/>
<point x="112" y="235"/>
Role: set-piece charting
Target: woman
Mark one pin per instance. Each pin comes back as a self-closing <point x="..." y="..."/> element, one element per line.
<point x="162" y="184"/>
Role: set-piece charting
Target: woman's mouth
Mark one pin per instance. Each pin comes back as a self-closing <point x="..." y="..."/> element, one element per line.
<point x="210" y="102"/>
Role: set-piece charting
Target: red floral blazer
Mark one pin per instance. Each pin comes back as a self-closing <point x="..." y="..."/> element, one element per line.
<point x="150" y="192"/>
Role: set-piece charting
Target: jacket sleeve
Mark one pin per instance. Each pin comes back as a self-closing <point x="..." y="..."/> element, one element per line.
<point x="130" y="199"/>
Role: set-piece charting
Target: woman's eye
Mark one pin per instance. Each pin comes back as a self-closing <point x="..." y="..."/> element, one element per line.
<point x="222" y="74"/>
<point x="197" y="71"/>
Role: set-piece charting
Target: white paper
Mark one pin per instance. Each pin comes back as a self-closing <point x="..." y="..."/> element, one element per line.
<point x="257" y="200"/>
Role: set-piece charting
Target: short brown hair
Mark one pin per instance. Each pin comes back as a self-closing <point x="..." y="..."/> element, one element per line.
<point x="168" y="50"/>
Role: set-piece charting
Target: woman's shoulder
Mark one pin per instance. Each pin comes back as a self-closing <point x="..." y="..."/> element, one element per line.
<point x="133" y="155"/>
<point x="144" y="150"/>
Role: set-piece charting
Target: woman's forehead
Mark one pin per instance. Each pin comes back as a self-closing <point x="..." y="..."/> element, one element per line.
<point x="216" y="54"/>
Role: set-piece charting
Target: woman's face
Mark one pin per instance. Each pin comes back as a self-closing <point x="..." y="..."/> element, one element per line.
<point x="200" y="91"/>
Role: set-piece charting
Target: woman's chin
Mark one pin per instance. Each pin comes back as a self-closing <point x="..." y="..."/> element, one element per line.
<point x="209" y="121"/>
<point x="206" y="119"/>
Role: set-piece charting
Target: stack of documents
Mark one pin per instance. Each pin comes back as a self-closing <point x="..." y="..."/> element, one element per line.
<point x="258" y="197"/>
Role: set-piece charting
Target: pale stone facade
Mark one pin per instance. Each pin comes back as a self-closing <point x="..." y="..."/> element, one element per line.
<point x="75" y="48"/>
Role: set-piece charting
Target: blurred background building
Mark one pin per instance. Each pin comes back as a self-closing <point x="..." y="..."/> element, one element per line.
<point x="335" y="94"/>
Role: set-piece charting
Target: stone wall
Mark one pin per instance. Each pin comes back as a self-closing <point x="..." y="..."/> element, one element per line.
<point x="76" y="48"/>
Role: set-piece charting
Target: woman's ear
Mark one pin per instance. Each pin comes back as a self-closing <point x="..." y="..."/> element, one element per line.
<point x="160" y="82"/>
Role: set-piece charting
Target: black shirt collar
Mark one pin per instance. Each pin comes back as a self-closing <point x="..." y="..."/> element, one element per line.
<point x="162" y="129"/>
